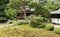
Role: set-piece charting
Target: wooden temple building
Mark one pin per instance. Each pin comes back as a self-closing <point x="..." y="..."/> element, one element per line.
<point x="25" y="12"/>
<point x="55" y="16"/>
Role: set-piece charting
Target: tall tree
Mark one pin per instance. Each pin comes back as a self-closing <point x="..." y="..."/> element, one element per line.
<point x="2" y="7"/>
<point x="15" y="6"/>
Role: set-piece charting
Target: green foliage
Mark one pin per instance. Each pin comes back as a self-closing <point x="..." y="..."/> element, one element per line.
<point x="3" y="19"/>
<point x="33" y="24"/>
<point x="31" y="17"/>
<point x="52" y="6"/>
<point x="12" y="8"/>
<point x="11" y="13"/>
<point x="2" y="6"/>
<point x="21" y="22"/>
<point x="49" y="26"/>
<point x="57" y="30"/>
<point x="15" y="4"/>
<point x="39" y="8"/>
<point x="40" y="18"/>
<point x="10" y="22"/>
<point x="41" y="25"/>
<point x="37" y="22"/>
<point x="44" y="8"/>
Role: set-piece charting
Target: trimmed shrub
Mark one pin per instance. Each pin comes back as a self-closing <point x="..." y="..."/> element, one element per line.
<point x="41" y="25"/>
<point x="36" y="23"/>
<point x="49" y="26"/>
<point x="57" y="30"/>
<point x="33" y="24"/>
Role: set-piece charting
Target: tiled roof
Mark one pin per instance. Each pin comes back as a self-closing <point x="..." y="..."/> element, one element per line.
<point x="56" y="12"/>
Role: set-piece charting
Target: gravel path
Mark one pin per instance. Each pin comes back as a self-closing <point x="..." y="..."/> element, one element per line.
<point x="2" y="26"/>
<point x="56" y="26"/>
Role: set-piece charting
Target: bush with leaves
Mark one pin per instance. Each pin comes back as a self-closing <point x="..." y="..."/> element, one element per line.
<point x="3" y="20"/>
<point x="11" y="13"/>
<point x="2" y="7"/>
<point x="57" y="30"/>
<point x="39" y="17"/>
<point x="49" y="26"/>
<point x="37" y="22"/>
<point x="31" y="17"/>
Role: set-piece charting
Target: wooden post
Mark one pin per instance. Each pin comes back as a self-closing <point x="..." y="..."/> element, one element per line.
<point x="24" y="13"/>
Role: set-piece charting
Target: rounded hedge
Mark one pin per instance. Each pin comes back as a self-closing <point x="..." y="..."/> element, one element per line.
<point x="49" y="26"/>
<point x="57" y="30"/>
<point x="37" y="24"/>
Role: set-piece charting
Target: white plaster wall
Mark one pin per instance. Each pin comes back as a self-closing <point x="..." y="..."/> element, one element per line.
<point x="59" y="21"/>
<point x="54" y="20"/>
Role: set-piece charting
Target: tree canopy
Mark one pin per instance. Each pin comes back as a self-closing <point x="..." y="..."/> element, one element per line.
<point x="10" y="8"/>
<point x="2" y="7"/>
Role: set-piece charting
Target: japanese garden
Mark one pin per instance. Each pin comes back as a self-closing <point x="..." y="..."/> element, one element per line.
<point x="29" y="18"/>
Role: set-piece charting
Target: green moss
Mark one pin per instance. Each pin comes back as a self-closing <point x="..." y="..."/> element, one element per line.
<point x="25" y="31"/>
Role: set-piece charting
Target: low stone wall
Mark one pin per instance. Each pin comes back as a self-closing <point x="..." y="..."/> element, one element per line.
<point x="6" y="25"/>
